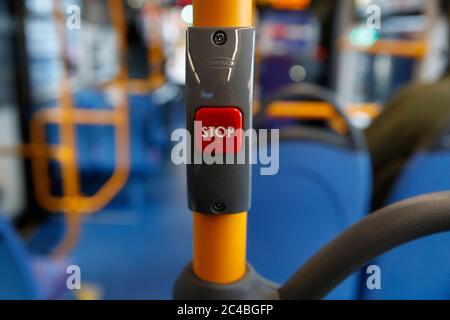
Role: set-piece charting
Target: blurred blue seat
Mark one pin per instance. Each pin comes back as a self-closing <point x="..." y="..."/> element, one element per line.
<point x="421" y="269"/>
<point x="17" y="281"/>
<point x="323" y="186"/>
<point x="96" y="144"/>
<point x="319" y="191"/>
<point x="25" y="277"/>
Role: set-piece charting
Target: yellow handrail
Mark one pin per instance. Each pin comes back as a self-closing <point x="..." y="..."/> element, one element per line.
<point x="73" y="203"/>
<point x="372" y="110"/>
<point x="398" y="48"/>
<point x="308" y="110"/>
<point x="67" y="117"/>
<point x="286" y="4"/>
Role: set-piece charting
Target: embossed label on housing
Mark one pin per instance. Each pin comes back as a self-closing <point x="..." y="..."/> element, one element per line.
<point x="218" y="63"/>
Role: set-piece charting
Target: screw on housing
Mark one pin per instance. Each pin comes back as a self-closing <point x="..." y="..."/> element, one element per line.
<point x="219" y="38"/>
<point x="219" y="207"/>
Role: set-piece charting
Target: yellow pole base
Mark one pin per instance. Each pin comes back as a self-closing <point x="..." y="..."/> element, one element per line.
<point x="220" y="247"/>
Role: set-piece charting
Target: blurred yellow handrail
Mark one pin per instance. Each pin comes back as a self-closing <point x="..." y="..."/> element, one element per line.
<point x="66" y="116"/>
<point x="286" y="4"/>
<point x="372" y="110"/>
<point x="307" y="110"/>
<point x="398" y="48"/>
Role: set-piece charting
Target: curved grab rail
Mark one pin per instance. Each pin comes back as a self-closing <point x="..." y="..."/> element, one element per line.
<point x="310" y="102"/>
<point x="376" y="234"/>
<point x="67" y="117"/>
<point x="73" y="203"/>
<point x="415" y="49"/>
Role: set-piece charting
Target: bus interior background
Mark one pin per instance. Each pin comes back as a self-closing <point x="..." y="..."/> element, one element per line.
<point x="87" y="114"/>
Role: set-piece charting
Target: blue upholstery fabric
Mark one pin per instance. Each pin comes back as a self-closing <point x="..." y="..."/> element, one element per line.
<point x="96" y="145"/>
<point x="16" y="278"/>
<point x="421" y="269"/>
<point x="319" y="191"/>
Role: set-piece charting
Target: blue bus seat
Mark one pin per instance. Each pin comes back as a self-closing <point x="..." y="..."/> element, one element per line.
<point x="321" y="189"/>
<point x="17" y="281"/>
<point x="421" y="269"/>
<point x="323" y="186"/>
<point x="25" y="277"/>
<point x="96" y="144"/>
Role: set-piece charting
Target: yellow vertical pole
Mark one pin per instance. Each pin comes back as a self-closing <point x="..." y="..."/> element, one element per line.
<point x="220" y="241"/>
<point x="223" y="13"/>
<point x="67" y="130"/>
<point x="71" y="183"/>
<point x="71" y="177"/>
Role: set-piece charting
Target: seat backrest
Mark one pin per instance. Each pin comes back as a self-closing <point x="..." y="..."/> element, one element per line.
<point x="322" y="187"/>
<point x="96" y="144"/>
<point x="419" y="270"/>
<point x="16" y="278"/>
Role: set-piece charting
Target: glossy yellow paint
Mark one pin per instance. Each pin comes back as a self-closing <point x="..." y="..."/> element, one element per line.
<point x="308" y="110"/>
<point x="223" y="13"/>
<point x="372" y="110"/>
<point x="287" y="4"/>
<point x="416" y="49"/>
<point x="220" y="244"/>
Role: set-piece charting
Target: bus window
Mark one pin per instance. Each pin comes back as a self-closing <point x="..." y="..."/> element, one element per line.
<point x="12" y="192"/>
<point x="293" y="45"/>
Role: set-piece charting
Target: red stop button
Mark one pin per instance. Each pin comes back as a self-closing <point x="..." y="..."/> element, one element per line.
<point x="219" y="128"/>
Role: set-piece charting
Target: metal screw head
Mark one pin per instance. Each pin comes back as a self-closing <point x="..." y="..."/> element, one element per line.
<point x="219" y="38"/>
<point x="219" y="207"/>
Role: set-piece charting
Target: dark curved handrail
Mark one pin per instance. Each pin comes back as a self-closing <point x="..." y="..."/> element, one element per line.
<point x="376" y="234"/>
